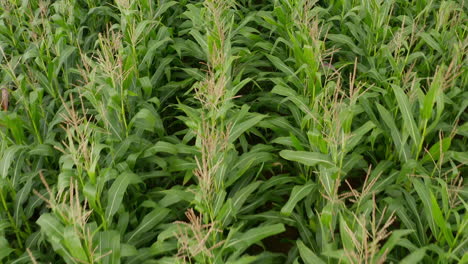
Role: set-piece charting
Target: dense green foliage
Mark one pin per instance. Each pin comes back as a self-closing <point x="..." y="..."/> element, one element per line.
<point x="222" y="131"/>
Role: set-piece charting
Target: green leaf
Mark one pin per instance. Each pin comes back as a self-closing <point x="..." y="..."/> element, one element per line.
<point x="394" y="132"/>
<point x="243" y="260"/>
<point x="109" y="246"/>
<point x="5" y="249"/>
<point x="431" y="42"/>
<point x="459" y="156"/>
<point x="306" y="158"/>
<point x="405" y="110"/>
<point x="425" y="197"/>
<point x="440" y="220"/>
<point x="392" y="241"/>
<point x="278" y="63"/>
<point x="174" y="195"/>
<point x="307" y="255"/>
<point x="116" y="193"/>
<point x="241" y="196"/>
<point x="414" y="257"/>
<point x="432" y="94"/>
<point x="90" y="192"/>
<point x="145" y="120"/>
<point x="7" y="159"/>
<point x="435" y="151"/>
<point x="161" y="146"/>
<point x="292" y="95"/>
<point x="149" y="222"/>
<point x="51" y="226"/>
<point x="247" y="161"/>
<point x="254" y="235"/>
<point x="63" y="57"/>
<point x="346" y="237"/>
<point x="42" y="150"/>
<point x="72" y="241"/>
<point x="238" y="129"/>
<point x="358" y="134"/>
<point x="346" y="40"/>
<point x="298" y="193"/>
<point x="20" y="198"/>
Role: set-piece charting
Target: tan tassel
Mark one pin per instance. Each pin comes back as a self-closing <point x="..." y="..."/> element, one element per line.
<point x="5" y="99"/>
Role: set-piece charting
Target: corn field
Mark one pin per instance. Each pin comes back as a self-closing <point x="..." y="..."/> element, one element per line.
<point x="233" y="131"/>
